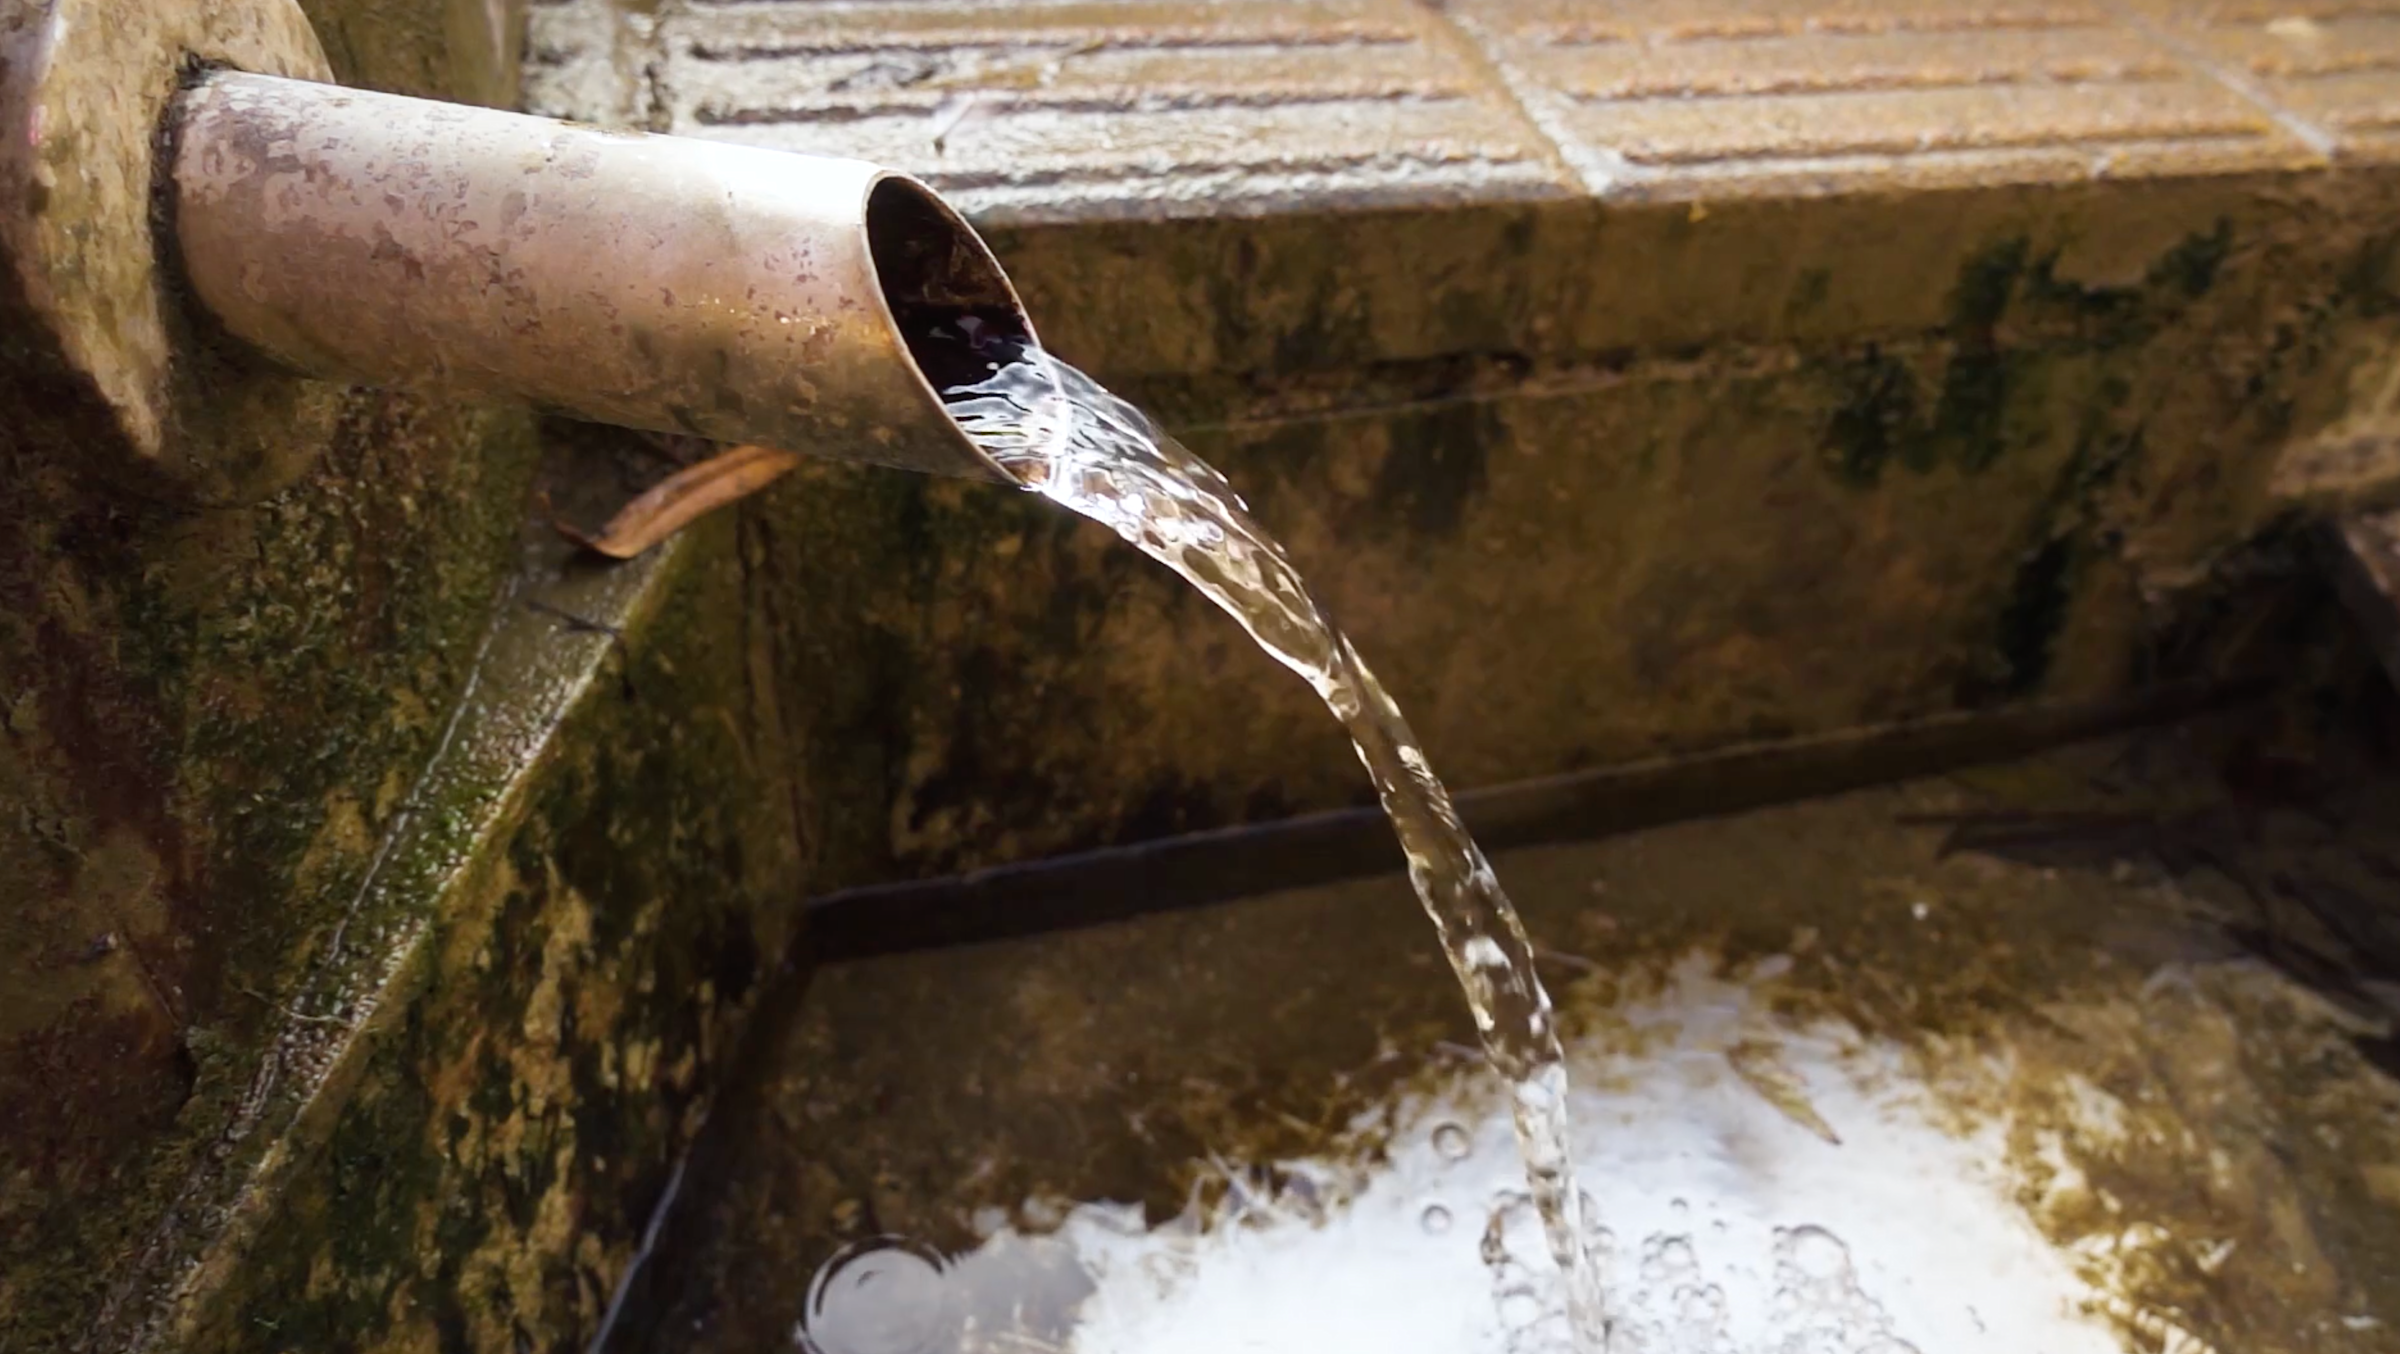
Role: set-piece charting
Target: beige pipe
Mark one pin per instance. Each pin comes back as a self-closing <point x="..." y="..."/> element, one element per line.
<point x="652" y="282"/>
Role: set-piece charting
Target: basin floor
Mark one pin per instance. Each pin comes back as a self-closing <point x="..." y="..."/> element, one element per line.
<point x="2084" y="1052"/>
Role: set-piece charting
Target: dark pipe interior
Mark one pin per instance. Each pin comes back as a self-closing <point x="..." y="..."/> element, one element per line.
<point x="955" y="308"/>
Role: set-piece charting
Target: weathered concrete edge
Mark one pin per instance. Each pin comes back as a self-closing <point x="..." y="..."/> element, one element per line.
<point x="530" y="676"/>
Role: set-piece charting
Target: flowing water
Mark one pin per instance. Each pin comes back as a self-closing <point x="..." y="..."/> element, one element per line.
<point x="1065" y="437"/>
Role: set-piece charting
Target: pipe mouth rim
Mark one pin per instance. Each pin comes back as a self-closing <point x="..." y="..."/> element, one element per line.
<point x="933" y="271"/>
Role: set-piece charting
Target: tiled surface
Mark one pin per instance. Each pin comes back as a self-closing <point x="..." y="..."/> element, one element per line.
<point x="2332" y="67"/>
<point x="1077" y="110"/>
<point x="1092" y="106"/>
<point x="1695" y="98"/>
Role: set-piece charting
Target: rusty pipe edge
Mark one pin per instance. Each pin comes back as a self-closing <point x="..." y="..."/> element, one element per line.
<point x="654" y="282"/>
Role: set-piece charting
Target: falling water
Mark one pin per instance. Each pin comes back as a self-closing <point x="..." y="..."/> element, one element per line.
<point x="1065" y="437"/>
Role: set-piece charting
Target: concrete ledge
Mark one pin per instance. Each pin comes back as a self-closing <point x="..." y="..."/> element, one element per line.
<point x="1146" y="109"/>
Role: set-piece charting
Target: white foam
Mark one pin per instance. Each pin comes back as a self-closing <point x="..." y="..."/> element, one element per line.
<point x="1707" y="1188"/>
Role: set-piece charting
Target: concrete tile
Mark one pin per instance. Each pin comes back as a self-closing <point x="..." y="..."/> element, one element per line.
<point x="584" y="60"/>
<point x="2331" y="70"/>
<point x="1143" y="108"/>
<point x="1655" y="99"/>
<point x="1706" y="20"/>
<point x="1815" y="63"/>
<point x="1099" y="109"/>
<point x="1899" y="122"/>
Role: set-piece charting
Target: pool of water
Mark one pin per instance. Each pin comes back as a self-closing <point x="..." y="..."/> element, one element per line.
<point x="2076" y="1054"/>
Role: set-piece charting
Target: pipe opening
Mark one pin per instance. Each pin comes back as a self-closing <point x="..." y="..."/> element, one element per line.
<point x="954" y="307"/>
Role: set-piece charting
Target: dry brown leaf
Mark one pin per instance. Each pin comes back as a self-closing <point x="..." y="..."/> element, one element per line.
<point x="1760" y="1065"/>
<point x="676" y="501"/>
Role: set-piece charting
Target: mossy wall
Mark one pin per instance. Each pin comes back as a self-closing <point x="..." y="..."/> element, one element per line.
<point x="212" y="716"/>
<point x="584" y="983"/>
<point x="209" y="717"/>
<point x="1593" y="484"/>
<point x="466" y="51"/>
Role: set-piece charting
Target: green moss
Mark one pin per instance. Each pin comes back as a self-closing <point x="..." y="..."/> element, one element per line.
<point x="236" y="689"/>
<point x="2038" y="596"/>
<point x="1874" y="419"/>
<point x="590" y="969"/>
<point x="1991" y="382"/>
<point x="1435" y="469"/>
<point x="1293" y="453"/>
<point x="1809" y="291"/>
<point x="1987" y="282"/>
<point x="1970" y="417"/>
<point x="433" y="49"/>
<point x="2370" y="278"/>
<point x="2190" y="268"/>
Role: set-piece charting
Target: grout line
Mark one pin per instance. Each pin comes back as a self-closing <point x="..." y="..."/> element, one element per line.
<point x="1464" y="42"/>
<point x="2316" y="138"/>
<point x="1735" y="36"/>
<point x="1868" y="82"/>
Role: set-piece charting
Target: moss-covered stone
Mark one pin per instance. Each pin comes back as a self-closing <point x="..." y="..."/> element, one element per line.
<point x="455" y="1026"/>
<point x="465" y="51"/>
<point x="214" y="719"/>
<point x="212" y="716"/>
<point x="483" y="1183"/>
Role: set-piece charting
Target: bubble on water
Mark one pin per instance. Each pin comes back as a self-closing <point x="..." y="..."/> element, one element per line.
<point x="1819" y="1305"/>
<point x="1451" y="1142"/>
<point x="886" y="1295"/>
<point x="1520" y="1308"/>
<point x="1667" y="1258"/>
<point x="1549" y="1335"/>
<point x="1435" y="1219"/>
<point x="1514" y="1232"/>
<point x="1815" y="1253"/>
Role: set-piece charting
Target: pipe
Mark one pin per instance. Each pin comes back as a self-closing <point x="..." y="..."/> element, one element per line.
<point x="654" y="282"/>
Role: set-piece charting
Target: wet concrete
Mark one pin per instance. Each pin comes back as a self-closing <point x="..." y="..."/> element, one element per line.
<point x="2092" y="1051"/>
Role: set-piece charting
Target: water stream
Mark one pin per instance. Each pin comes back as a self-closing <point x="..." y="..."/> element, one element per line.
<point x="1065" y="437"/>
